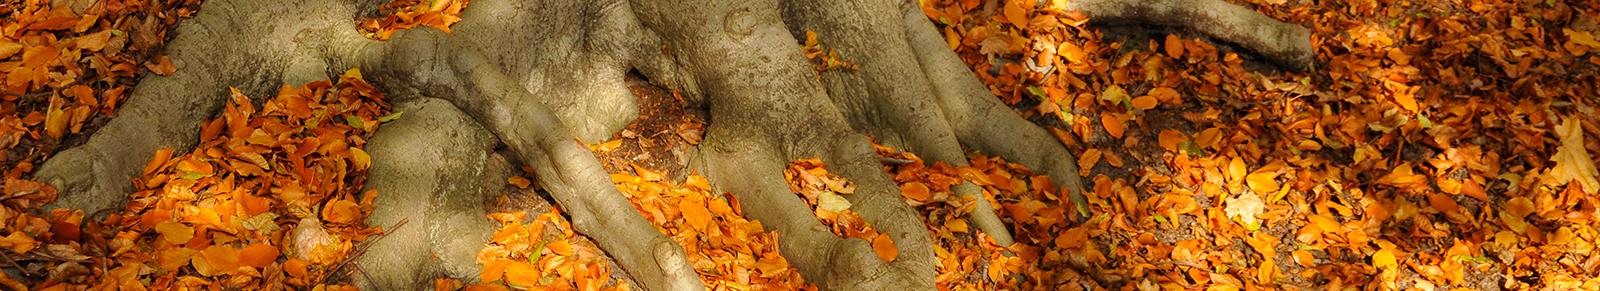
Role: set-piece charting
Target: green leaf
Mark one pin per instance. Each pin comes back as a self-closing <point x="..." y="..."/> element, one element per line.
<point x="353" y="121"/>
<point x="194" y="175"/>
<point x="1038" y="92"/>
<point x="1426" y="123"/>
<point x="1191" y="148"/>
<point x="390" y="117"/>
<point x="538" y="251"/>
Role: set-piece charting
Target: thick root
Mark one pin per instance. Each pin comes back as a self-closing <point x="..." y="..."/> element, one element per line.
<point x="890" y="97"/>
<point x="1285" y="44"/>
<point x="426" y="170"/>
<point x="563" y="166"/>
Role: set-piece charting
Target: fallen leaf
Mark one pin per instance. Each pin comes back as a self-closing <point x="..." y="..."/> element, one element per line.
<point x="916" y="191"/>
<point x="1174" y="46"/>
<point x="161" y="65"/>
<point x="885" y="248"/>
<point x="258" y="255"/>
<point x="1572" y="160"/>
<point x="1112" y="124"/>
<point x="175" y="232"/>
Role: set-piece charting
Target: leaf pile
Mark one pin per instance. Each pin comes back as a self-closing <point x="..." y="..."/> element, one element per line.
<point x="821" y="190"/>
<point x="541" y="254"/>
<point x="1029" y="204"/>
<point x="267" y="200"/>
<point x="67" y="66"/>
<point x="403" y="14"/>
<point x="728" y="251"/>
<point x="1436" y="146"/>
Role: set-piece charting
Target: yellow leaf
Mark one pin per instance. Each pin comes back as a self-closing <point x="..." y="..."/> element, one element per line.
<point x="956" y="225"/>
<point x="360" y="158"/>
<point x="1384" y="258"/>
<point x="1572" y="160"/>
<point x="55" y="123"/>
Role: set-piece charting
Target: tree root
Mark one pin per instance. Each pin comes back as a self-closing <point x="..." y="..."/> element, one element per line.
<point x="421" y="165"/>
<point x="1285" y="44"/>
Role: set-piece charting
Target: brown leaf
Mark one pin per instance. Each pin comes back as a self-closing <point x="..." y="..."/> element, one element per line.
<point x="161" y="65"/>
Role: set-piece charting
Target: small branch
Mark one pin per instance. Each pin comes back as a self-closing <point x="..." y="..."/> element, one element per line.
<point x="7" y="257"/>
<point x="349" y="259"/>
<point x="894" y="161"/>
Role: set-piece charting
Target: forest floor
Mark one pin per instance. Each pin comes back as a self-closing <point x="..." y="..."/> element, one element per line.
<point x="1436" y="145"/>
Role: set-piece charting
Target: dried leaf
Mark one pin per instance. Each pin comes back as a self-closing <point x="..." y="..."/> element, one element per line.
<point x="1572" y="160"/>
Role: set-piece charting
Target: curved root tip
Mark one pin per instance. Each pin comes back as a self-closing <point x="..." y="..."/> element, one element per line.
<point x="670" y="258"/>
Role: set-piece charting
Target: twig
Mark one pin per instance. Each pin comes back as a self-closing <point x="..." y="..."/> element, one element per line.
<point x="894" y="161"/>
<point x="1182" y="263"/>
<point x="3" y="255"/>
<point x="350" y="258"/>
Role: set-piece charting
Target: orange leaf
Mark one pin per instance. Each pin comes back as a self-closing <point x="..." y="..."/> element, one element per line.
<point x="222" y="259"/>
<point x="175" y="232"/>
<point x="519" y="181"/>
<point x="1016" y="14"/>
<point x="560" y="247"/>
<point x="1174" y="46"/>
<point x="885" y="248"/>
<point x="341" y="211"/>
<point x="695" y="213"/>
<point x="38" y="56"/>
<point x="1112" y="124"/>
<point x="522" y="273"/>
<point x="1165" y="94"/>
<point x="1145" y="102"/>
<point x="258" y="255"/>
<point x="1087" y="161"/>
<point x="8" y="48"/>
<point x="494" y="269"/>
<point x="916" y="191"/>
<point x="94" y="41"/>
<point x="161" y="158"/>
<point x="19" y="242"/>
<point x="1170" y="139"/>
<point x="195" y="165"/>
<point x="484" y="287"/>
<point x="161" y="65"/>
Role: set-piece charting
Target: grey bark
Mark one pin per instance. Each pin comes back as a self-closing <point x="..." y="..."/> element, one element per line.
<point x="427" y="169"/>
